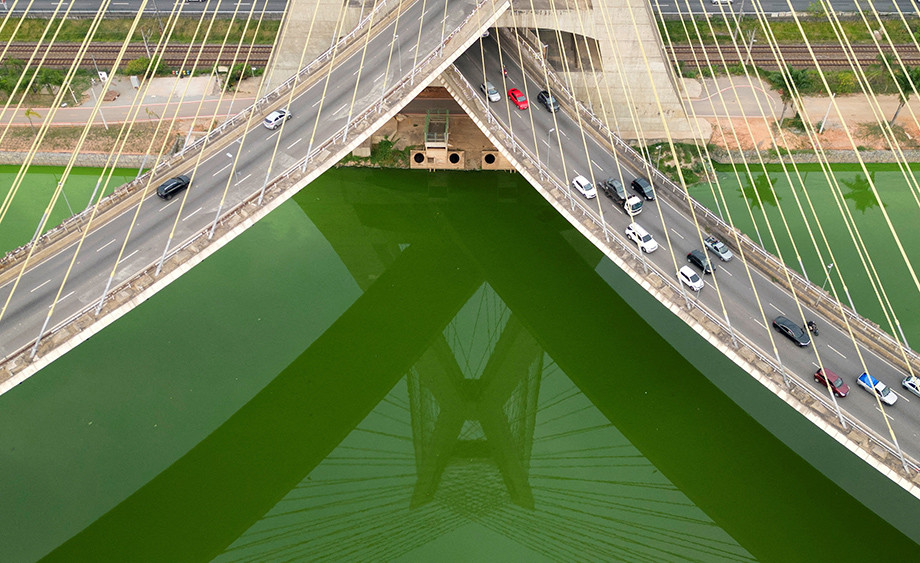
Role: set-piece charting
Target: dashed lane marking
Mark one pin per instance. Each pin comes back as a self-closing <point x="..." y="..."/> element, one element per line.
<point x="39" y="286"/>
<point x="105" y="245"/>
<point x="777" y="308"/>
<point x="838" y="352"/>
<point x="128" y="256"/>
<point x="246" y="177"/>
<point x="676" y="233"/>
<point x="192" y="213"/>
<point x="295" y="142"/>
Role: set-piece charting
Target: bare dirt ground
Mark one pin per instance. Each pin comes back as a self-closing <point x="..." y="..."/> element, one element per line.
<point x="763" y="134"/>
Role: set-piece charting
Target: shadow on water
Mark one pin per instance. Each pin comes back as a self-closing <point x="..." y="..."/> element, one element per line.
<point x="860" y="192"/>
<point x="487" y="376"/>
<point x="759" y="191"/>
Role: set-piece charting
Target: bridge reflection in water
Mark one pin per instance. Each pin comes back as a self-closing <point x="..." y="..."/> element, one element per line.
<point x="485" y="392"/>
<point x="487" y="443"/>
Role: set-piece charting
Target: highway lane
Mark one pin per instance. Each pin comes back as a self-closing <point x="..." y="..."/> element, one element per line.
<point x="675" y="231"/>
<point x="195" y="209"/>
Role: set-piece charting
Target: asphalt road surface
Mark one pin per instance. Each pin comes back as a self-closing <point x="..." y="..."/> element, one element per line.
<point x="562" y="147"/>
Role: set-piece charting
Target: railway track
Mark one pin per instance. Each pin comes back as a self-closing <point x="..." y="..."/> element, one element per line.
<point x="830" y="57"/>
<point x="103" y="55"/>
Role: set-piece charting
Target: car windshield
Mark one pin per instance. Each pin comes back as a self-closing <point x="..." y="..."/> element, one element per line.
<point x="883" y="391"/>
<point x="646" y="238"/>
<point x="837" y="382"/>
<point x="694" y="278"/>
<point x="519" y="97"/>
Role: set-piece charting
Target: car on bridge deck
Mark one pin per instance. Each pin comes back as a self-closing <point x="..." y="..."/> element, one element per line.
<point x="582" y="184"/>
<point x="912" y="384"/>
<point x="548" y="101"/>
<point x="718" y="248"/>
<point x="641" y="237"/>
<point x="700" y="260"/>
<point x="826" y="377"/>
<point x="873" y="385"/>
<point x="613" y="189"/>
<point x="171" y="187"/>
<point x="792" y="331"/>
<point x="643" y="188"/>
<point x="276" y="118"/>
<point x="490" y="91"/>
<point x="518" y="98"/>
<point x="690" y="278"/>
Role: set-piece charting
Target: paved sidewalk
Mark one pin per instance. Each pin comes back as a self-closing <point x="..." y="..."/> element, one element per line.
<point x="199" y="97"/>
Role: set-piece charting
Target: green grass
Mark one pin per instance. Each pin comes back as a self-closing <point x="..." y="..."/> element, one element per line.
<point x="817" y="30"/>
<point x="115" y="31"/>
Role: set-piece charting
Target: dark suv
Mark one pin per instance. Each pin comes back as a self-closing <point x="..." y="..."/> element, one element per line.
<point x="700" y="260"/>
<point x="643" y="188"/>
<point x="548" y="101"/>
<point x="173" y="186"/>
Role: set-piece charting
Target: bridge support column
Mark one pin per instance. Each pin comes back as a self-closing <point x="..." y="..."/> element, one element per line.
<point x="615" y="62"/>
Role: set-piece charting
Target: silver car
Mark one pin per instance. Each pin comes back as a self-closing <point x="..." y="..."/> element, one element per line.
<point x="490" y="92"/>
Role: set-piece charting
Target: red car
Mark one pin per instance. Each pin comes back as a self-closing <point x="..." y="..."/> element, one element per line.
<point x="837" y="385"/>
<point x="518" y="98"/>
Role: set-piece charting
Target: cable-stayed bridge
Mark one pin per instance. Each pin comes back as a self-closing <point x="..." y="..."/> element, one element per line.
<point x="98" y="265"/>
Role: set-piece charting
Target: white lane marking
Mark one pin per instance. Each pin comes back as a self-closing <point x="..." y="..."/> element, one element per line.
<point x="545" y="142"/>
<point x="167" y="205"/>
<point x="317" y="103"/>
<point x="128" y="256"/>
<point x="65" y="297"/>
<point x="340" y="109"/>
<point x="414" y="47"/>
<point x="295" y="142"/>
<point x="816" y="365"/>
<point x="898" y="393"/>
<point x="39" y="286"/>
<point x="104" y="245"/>
<point x="676" y="233"/>
<point x="596" y="165"/>
<point x="229" y="155"/>
<point x="891" y="418"/>
<point x="229" y="164"/>
<point x="246" y="177"/>
<point x="379" y="77"/>
<point x="760" y="323"/>
<point x="838" y="352"/>
<point x="777" y="308"/>
<point x="563" y="134"/>
<point x="726" y="271"/>
<point x="192" y="213"/>
<point x="275" y="132"/>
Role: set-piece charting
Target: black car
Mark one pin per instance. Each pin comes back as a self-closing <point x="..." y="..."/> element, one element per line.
<point x="698" y="259"/>
<point x="548" y="101"/>
<point x="173" y="186"/>
<point x="792" y="331"/>
<point x="643" y="188"/>
<point x="613" y="189"/>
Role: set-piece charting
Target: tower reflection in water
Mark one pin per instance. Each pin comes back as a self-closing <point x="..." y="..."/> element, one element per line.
<point x="485" y="448"/>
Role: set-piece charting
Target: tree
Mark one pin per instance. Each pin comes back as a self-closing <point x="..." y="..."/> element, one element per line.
<point x="30" y="113"/>
<point x="906" y="82"/>
<point x="789" y="83"/>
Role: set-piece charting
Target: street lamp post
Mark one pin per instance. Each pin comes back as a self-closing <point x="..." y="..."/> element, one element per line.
<point x="827" y="275"/>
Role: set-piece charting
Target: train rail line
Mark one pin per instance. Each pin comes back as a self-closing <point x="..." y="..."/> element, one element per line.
<point x="830" y="57"/>
<point x="102" y="55"/>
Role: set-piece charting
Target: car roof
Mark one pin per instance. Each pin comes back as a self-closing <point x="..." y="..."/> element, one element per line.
<point x="636" y="227"/>
<point x="865" y="377"/>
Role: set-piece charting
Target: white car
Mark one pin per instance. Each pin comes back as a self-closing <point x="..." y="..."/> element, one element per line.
<point x="641" y="237"/>
<point x="490" y="91"/>
<point x="873" y="385"/>
<point x="276" y="118"/>
<point x="912" y="384"/>
<point x="582" y="184"/>
<point x="690" y="278"/>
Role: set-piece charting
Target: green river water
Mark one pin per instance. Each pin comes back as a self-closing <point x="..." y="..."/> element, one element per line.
<point x="409" y="366"/>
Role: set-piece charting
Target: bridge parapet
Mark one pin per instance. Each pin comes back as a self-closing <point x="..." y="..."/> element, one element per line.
<point x="863" y="441"/>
